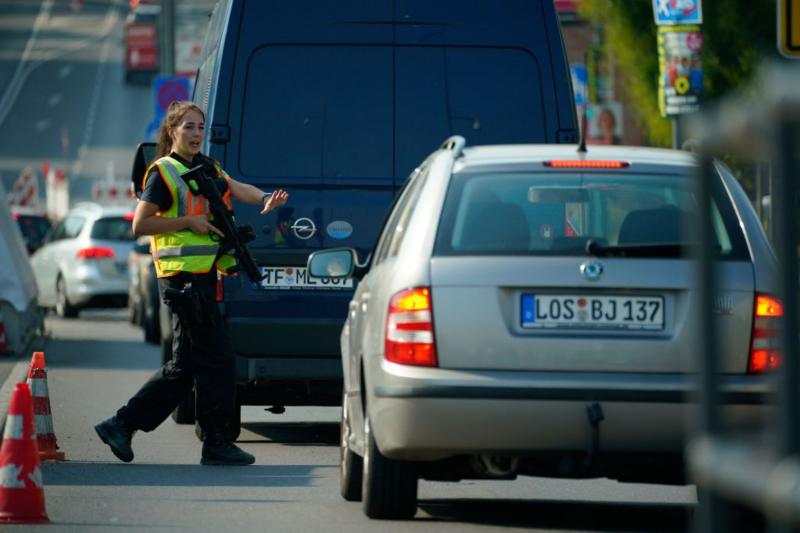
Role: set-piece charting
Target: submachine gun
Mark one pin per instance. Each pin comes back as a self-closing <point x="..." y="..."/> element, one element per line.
<point x="235" y="238"/>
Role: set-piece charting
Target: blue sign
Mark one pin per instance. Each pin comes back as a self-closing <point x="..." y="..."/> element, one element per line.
<point x="677" y="12"/>
<point x="580" y="83"/>
<point x="167" y="89"/>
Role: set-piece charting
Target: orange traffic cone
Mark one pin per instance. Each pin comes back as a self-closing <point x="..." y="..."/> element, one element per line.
<point x="45" y="436"/>
<point x="21" y="488"/>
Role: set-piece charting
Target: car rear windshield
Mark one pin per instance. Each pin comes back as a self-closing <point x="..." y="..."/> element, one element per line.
<point x="112" y="229"/>
<point x="603" y="214"/>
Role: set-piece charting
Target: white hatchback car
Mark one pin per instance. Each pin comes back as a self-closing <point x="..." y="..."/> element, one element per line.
<point x="529" y="309"/>
<point x="84" y="260"/>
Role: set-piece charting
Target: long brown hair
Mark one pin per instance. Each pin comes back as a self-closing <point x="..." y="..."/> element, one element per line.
<point x="172" y="118"/>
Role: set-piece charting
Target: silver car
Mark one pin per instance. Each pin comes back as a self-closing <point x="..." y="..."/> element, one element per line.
<point x="84" y="260"/>
<point x="530" y="310"/>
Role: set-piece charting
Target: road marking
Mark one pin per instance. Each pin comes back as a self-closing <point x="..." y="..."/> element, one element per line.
<point x="95" y="98"/>
<point x="19" y="77"/>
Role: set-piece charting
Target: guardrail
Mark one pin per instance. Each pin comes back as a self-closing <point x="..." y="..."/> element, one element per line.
<point x="759" y="470"/>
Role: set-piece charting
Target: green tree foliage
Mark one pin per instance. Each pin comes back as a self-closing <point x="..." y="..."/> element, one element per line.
<point x="738" y="35"/>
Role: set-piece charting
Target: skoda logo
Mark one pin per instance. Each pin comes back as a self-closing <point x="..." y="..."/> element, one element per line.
<point x="592" y="270"/>
<point x="304" y="228"/>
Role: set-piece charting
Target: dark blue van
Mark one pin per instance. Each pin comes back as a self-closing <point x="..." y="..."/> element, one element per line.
<point x="337" y="101"/>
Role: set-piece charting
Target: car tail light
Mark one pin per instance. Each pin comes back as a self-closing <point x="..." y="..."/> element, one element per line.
<point x="220" y="294"/>
<point x="585" y="164"/>
<point x="95" y="252"/>
<point x="15" y="215"/>
<point x="765" y="353"/>
<point x="409" y="329"/>
<point x="128" y="217"/>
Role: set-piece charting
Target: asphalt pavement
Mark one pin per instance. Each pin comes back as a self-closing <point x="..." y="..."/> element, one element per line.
<point x="96" y="362"/>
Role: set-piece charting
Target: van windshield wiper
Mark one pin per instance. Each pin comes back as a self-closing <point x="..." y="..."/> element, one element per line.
<point x="652" y="249"/>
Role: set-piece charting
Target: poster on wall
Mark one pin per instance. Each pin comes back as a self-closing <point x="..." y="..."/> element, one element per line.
<point x="604" y="123"/>
<point x="677" y="12"/>
<point x="680" y="61"/>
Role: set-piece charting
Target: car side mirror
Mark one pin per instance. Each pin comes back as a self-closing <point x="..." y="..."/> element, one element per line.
<point x="145" y="154"/>
<point x="337" y="263"/>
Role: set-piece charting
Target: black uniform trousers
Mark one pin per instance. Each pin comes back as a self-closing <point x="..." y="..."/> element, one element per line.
<point x="201" y="357"/>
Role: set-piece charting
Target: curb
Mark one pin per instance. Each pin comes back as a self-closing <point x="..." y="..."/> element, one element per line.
<point x="18" y="374"/>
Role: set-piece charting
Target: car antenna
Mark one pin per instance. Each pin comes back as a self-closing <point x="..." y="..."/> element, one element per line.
<point x="582" y="145"/>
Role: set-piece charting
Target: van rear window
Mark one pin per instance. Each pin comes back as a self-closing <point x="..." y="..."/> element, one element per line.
<point x="314" y="111"/>
<point x="488" y="95"/>
<point x="330" y="111"/>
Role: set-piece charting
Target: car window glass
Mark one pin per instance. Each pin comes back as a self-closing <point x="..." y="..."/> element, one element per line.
<point x="557" y="214"/>
<point x="33" y="228"/>
<point x="318" y="111"/>
<point x="57" y="233"/>
<point x="404" y="214"/>
<point x="112" y="229"/>
<point x="488" y="95"/>
<point x="382" y="248"/>
<point x="73" y="225"/>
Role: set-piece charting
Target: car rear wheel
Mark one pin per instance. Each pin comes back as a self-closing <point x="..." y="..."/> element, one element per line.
<point x="152" y="331"/>
<point x="389" y="489"/>
<point x="351" y="465"/>
<point x="64" y="309"/>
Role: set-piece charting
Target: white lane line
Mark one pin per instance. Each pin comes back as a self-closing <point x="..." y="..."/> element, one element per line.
<point x="18" y="374"/>
<point x="55" y="99"/>
<point x="95" y="98"/>
<point x="18" y="78"/>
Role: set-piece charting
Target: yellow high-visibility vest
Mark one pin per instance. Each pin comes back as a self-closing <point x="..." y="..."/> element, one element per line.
<point x="185" y="250"/>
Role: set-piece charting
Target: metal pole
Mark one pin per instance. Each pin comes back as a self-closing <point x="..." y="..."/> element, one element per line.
<point x="676" y="133"/>
<point x="711" y="518"/>
<point x="784" y="202"/>
<point x="167" y="40"/>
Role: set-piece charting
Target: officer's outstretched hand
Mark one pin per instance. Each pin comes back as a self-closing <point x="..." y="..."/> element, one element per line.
<point x="200" y="224"/>
<point x="278" y="198"/>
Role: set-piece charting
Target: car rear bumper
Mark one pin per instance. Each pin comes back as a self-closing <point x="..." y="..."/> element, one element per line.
<point x="87" y="285"/>
<point x="426" y="414"/>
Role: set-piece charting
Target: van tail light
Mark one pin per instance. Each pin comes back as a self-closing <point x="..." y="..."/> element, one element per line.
<point x="765" y="353"/>
<point x="220" y="294"/>
<point x="409" y="329"/>
<point x="95" y="252"/>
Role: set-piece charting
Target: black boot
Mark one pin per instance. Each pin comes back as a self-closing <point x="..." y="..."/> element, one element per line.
<point x="117" y="436"/>
<point x="224" y="452"/>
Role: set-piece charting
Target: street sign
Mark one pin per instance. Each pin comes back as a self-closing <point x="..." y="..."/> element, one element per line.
<point x="579" y="83"/>
<point x="680" y="87"/>
<point x="677" y="12"/>
<point x="789" y="28"/>
<point x="167" y="89"/>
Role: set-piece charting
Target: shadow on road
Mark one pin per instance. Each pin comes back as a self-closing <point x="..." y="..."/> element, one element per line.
<point x="293" y="433"/>
<point x="101" y="354"/>
<point x="557" y="515"/>
<point x="165" y="475"/>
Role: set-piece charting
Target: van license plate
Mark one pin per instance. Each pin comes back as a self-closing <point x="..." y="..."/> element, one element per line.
<point x="592" y="312"/>
<point x="291" y="277"/>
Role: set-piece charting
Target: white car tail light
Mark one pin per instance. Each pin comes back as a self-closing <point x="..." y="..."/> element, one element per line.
<point x="765" y="354"/>
<point x="409" y="329"/>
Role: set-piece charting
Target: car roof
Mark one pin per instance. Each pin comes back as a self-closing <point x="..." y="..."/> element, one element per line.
<point x="474" y="157"/>
<point x="99" y="211"/>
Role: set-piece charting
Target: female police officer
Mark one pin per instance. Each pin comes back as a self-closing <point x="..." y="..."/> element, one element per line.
<point x="186" y="259"/>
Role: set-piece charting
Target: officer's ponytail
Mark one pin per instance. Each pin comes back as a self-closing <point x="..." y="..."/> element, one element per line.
<point x="172" y="118"/>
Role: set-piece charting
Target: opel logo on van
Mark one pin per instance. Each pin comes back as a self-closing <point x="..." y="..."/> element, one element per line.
<point x="304" y="228"/>
<point x="592" y="270"/>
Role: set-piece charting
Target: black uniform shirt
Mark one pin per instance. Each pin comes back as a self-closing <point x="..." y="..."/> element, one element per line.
<point x="156" y="190"/>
